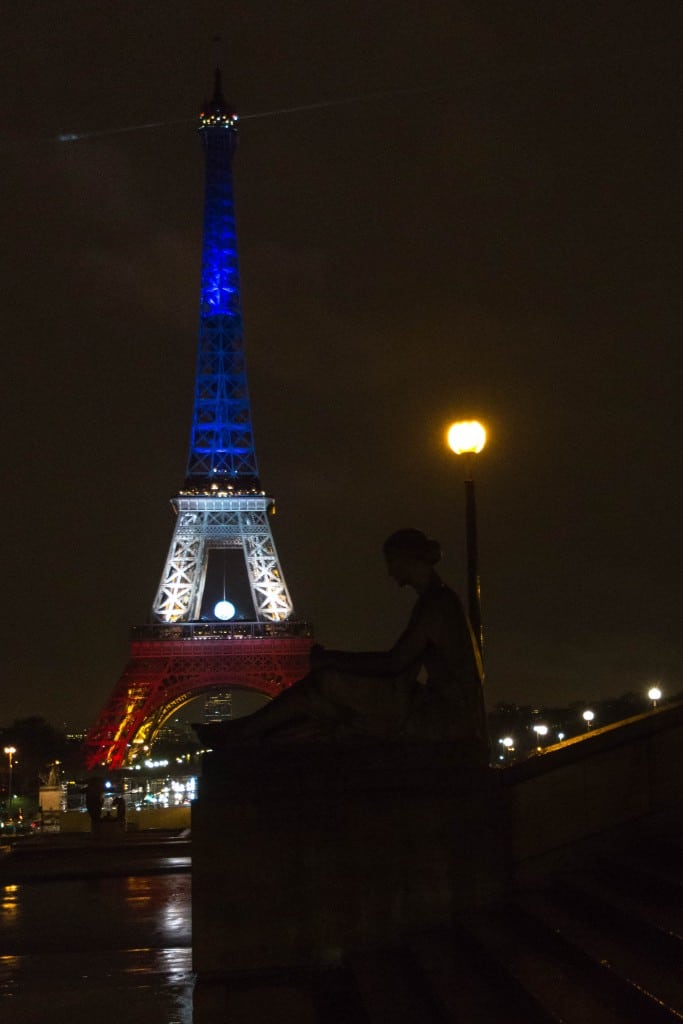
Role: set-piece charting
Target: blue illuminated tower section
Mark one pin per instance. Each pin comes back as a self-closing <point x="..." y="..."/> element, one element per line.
<point x="222" y="443"/>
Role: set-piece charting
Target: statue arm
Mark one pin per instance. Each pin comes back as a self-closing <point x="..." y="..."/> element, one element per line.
<point x="405" y="654"/>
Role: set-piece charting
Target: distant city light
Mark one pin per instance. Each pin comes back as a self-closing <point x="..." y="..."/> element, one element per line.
<point x="10" y="751"/>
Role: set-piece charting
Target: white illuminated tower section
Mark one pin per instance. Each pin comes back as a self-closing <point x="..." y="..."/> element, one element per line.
<point x="222" y="615"/>
<point x="222" y="506"/>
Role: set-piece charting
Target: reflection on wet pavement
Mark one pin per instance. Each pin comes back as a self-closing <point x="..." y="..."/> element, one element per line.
<point x="97" y="950"/>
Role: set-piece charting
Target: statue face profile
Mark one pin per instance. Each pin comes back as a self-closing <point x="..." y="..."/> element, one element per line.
<point x="401" y="567"/>
<point x="411" y="557"/>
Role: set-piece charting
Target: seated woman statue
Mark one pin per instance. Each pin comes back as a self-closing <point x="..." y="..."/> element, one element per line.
<point x="427" y="687"/>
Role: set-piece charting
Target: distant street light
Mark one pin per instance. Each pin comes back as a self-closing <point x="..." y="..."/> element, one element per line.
<point x="10" y="751"/>
<point x="468" y="437"/>
<point x="508" y="744"/>
<point x="588" y="717"/>
<point x="541" y="731"/>
<point x="655" y="694"/>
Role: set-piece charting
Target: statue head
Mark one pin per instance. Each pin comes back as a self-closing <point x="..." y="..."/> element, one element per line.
<point x="414" y="544"/>
<point x="411" y="556"/>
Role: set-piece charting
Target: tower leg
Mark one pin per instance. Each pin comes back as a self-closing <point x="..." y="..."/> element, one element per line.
<point x="164" y="675"/>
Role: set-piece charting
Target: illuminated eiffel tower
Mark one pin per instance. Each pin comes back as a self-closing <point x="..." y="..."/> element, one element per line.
<point x="222" y="615"/>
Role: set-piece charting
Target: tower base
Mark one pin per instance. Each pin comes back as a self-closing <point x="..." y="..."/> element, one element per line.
<point x="170" y="665"/>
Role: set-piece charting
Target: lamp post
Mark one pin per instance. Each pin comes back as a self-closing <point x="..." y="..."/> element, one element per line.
<point x="655" y="694"/>
<point x="10" y="751"/>
<point x="588" y="717"/>
<point x="468" y="437"/>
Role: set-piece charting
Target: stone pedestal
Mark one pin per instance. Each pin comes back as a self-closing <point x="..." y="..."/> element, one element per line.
<point x="304" y="853"/>
<point x="307" y="857"/>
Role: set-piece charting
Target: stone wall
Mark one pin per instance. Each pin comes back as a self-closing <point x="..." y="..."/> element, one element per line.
<point x="591" y="787"/>
<point x="302" y="853"/>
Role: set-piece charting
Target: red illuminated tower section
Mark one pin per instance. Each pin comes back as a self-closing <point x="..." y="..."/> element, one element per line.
<point x="222" y="614"/>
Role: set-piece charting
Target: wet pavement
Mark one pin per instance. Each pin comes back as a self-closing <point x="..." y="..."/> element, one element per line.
<point x="97" y="949"/>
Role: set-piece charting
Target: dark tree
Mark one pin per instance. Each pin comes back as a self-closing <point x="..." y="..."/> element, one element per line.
<point x="38" y="744"/>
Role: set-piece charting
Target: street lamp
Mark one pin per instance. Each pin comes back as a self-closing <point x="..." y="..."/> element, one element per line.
<point x="468" y="437"/>
<point x="541" y="731"/>
<point x="655" y="694"/>
<point x="10" y="751"/>
<point x="588" y="717"/>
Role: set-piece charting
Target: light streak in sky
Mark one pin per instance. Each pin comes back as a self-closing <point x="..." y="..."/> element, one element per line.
<point x="341" y="102"/>
<point x="68" y="137"/>
<point x="530" y="72"/>
<point x="78" y="136"/>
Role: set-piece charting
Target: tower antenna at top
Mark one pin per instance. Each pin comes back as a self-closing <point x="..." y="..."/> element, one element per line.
<point x="216" y="51"/>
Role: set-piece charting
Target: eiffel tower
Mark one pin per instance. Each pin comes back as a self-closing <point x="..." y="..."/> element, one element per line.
<point x="222" y="614"/>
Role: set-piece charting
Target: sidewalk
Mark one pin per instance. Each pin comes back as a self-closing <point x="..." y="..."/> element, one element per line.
<point x="106" y="948"/>
<point x="51" y="857"/>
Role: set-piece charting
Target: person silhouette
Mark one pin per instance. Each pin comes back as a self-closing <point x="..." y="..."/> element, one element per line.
<point x="94" y="799"/>
<point x="427" y="687"/>
<point x="120" y="805"/>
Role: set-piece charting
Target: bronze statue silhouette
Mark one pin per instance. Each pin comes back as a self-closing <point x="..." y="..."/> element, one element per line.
<point x="427" y="687"/>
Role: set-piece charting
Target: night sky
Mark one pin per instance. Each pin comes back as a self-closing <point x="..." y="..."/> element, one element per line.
<point x="490" y="226"/>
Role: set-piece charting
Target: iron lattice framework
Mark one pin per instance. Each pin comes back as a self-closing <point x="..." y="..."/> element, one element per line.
<point x="189" y="649"/>
<point x="222" y="443"/>
<point x="170" y="666"/>
<point x="206" y="522"/>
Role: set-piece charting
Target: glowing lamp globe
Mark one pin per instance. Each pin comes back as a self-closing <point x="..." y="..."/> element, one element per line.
<point x="466" y="436"/>
<point x="654" y="693"/>
<point x="224" y="610"/>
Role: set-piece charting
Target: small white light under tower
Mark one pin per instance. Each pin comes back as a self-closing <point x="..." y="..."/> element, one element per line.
<point x="224" y="610"/>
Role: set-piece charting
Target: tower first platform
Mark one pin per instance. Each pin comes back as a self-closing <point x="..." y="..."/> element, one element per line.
<point x="222" y="617"/>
